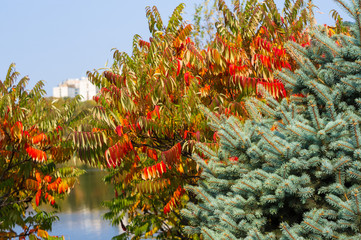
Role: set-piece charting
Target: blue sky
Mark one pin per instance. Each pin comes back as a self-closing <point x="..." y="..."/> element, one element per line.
<point x="53" y="40"/>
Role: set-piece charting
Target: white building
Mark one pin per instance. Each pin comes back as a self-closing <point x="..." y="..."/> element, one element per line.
<point x="75" y="86"/>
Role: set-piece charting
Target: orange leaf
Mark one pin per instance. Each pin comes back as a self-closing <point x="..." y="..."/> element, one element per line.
<point x="174" y="200"/>
<point x="152" y="154"/>
<point x="63" y="187"/>
<point x="54" y="185"/>
<point x="37" y="197"/>
<point x="43" y="233"/>
<point x="17" y="130"/>
<point x="38" y="177"/>
<point x="36" y="154"/>
<point x="47" y="178"/>
<point x="153" y="170"/>
<point x="39" y="138"/>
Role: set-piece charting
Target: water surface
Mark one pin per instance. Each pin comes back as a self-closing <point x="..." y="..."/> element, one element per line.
<point x="81" y="215"/>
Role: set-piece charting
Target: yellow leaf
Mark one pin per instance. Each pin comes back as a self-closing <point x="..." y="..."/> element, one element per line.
<point x="43" y="233"/>
<point x="133" y="208"/>
<point x="180" y="168"/>
<point x="17" y="130"/>
<point x="203" y="71"/>
<point x="126" y="138"/>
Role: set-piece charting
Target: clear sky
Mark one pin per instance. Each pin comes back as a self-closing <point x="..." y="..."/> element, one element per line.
<point x="53" y="40"/>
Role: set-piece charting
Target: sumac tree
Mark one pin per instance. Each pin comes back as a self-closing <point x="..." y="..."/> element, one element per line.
<point x="147" y="119"/>
<point x="31" y="144"/>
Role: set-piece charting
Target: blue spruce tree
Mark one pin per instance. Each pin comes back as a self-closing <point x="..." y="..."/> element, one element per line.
<point x="294" y="170"/>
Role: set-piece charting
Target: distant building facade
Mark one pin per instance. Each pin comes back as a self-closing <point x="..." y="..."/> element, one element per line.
<point x="76" y="86"/>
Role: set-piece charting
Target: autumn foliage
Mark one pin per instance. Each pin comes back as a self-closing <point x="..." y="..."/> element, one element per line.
<point x="148" y="116"/>
<point x="31" y="144"/>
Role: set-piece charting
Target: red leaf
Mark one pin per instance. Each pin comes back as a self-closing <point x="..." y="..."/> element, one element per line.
<point x="159" y="169"/>
<point x="166" y="209"/>
<point x="179" y="149"/>
<point x="156" y="109"/>
<point x="215" y="135"/>
<point x="146" y="174"/>
<point x="113" y="154"/>
<point x="185" y="134"/>
<point x="37" y="197"/>
<point x="172" y="156"/>
<point x="254" y="83"/>
<point x="232" y="69"/>
<point x="96" y="99"/>
<point x="179" y="66"/>
<point x="163" y="167"/>
<point x="138" y="126"/>
<point x="143" y="43"/>
<point x="112" y="77"/>
<point x="116" y="153"/>
<point x="233" y="159"/>
<point x="149" y="115"/>
<point x="186" y="78"/>
<point x="119" y="130"/>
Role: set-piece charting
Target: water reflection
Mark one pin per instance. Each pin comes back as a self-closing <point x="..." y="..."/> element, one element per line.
<point x="84" y="224"/>
<point x="89" y="193"/>
<point x="81" y="212"/>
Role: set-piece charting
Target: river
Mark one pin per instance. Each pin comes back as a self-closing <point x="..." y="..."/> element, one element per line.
<point x="81" y="212"/>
